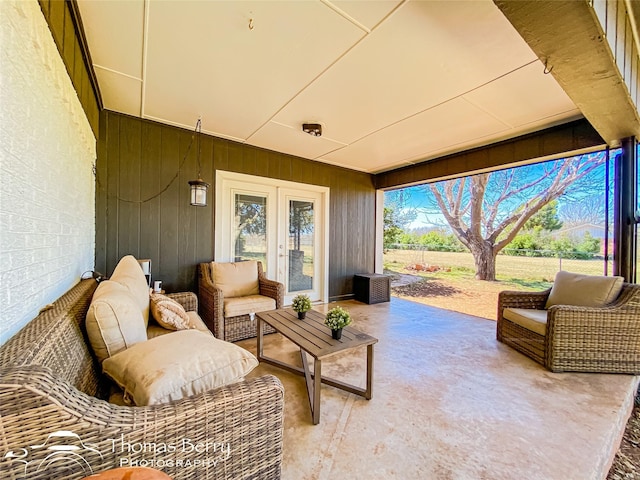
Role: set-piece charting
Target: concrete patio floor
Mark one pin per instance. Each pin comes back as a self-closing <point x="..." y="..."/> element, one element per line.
<point x="449" y="402"/>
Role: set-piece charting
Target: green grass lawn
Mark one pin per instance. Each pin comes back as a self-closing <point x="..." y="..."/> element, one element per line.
<point x="521" y="273"/>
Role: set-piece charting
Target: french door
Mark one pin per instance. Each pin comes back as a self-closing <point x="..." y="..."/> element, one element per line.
<point x="282" y="224"/>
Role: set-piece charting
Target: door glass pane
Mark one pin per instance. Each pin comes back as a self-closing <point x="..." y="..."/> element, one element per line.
<point x="300" y="245"/>
<point x="250" y="228"/>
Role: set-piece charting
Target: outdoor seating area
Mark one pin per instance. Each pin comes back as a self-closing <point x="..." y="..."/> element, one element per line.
<point x="205" y="206"/>
<point x="449" y="402"/>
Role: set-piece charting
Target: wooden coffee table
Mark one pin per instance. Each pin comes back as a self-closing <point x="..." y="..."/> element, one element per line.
<point x="314" y="337"/>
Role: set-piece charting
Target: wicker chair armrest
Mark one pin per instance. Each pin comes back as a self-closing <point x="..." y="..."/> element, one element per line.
<point x="188" y="300"/>
<point x="211" y="300"/>
<point x="272" y="289"/>
<point x="605" y="339"/>
<point x="244" y="420"/>
<point x="514" y="299"/>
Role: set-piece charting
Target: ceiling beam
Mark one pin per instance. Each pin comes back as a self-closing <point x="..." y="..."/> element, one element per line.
<point x="567" y="36"/>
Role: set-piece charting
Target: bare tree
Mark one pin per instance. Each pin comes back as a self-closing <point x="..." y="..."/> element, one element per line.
<point x="487" y="211"/>
<point x="400" y="213"/>
<point x="587" y="210"/>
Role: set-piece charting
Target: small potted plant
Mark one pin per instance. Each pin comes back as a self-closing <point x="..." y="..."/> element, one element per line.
<point x="337" y="318"/>
<point x="301" y="304"/>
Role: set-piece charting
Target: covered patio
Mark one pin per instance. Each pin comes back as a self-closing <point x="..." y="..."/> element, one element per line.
<point x="449" y="401"/>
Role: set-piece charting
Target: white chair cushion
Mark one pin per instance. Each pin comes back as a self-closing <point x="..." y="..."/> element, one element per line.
<point x="234" y="307"/>
<point x="583" y="290"/>
<point x="176" y="366"/>
<point x="114" y="321"/>
<point x="237" y="279"/>
<point x="533" y="320"/>
<point x="129" y="274"/>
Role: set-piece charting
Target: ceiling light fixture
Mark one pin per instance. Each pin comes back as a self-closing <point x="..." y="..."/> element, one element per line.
<point x="314" y="129"/>
<point x="199" y="187"/>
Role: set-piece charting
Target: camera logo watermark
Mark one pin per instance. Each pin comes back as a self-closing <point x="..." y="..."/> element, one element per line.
<point x="65" y="449"/>
<point x="61" y="448"/>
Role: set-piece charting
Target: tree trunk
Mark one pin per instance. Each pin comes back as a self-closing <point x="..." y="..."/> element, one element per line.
<point x="485" y="260"/>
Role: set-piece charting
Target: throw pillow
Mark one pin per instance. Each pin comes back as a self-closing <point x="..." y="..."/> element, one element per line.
<point x="176" y="366"/>
<point x="114" y="321"/>
<point x="169" y="313"/>
<point x="236" y="279"/>
<point x="129" y="274"/>
<point x="584" y="290"/>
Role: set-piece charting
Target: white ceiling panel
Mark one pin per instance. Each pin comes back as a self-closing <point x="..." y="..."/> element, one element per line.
<point x="119" y="92"/>
<point x="274" y="135"/>
<point x="391" y="81"/>
<point x="217" y="64"/>
<point x="417" y="59"/>
<point x="116" y="34"/>
<point x="522" y="97"/>
<point x="439" y="128"/>
<point x="369" y="14"/>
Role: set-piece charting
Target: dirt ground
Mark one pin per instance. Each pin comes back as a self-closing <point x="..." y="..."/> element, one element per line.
<point x="471" y="297"/>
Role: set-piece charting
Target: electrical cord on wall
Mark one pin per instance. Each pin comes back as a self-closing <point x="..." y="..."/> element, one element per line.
<point x="175" y="177"/>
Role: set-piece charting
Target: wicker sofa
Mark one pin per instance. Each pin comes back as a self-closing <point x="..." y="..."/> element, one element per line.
<point x="50" y="384"/>
<point x="602" y="339"/>
<point x="233" y="327"/>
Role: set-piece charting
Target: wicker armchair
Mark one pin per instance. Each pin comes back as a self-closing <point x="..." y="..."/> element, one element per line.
<point x="577" y="339"/>
<point x="212" y="310"/>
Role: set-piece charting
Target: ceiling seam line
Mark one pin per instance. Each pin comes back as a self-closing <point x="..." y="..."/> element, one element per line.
<point x="495" y="117"/>
<point x="440" y="154"/>
<point x="307" y="85"/>
<point x="443" y="102"/>
<point x="345" y="15"/>
<point x="190" y="127"/>
<point x="145" y="43"/>
<point x="325" y="70"/>
<point x="388" y="15"/>
<point x="110" y="70"/>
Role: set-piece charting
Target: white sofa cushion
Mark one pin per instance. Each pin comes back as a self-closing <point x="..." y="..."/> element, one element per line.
<point x="236" y="279"/>
<point x="114" y="321"/>
<point x="583" y="290"/>
<point x="129" y="274"/>
<point x="176" y="366"/>
<point x="236" y="306"/>
<point x="531" y="319"/>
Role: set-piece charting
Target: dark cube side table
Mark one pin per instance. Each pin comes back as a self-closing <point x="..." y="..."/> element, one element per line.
<point x="372" y="287"/>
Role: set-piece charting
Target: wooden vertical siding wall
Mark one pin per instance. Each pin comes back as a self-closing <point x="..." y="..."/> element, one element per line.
<point x="138" y="158"/>
<point x="66" y="28"/>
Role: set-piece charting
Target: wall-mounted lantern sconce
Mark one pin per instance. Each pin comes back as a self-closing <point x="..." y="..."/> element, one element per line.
<point x="199" y="187"/>
<point x="199" y="192"/>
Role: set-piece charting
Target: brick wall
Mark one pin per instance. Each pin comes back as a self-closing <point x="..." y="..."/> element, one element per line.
<point x="47" y="152"/>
